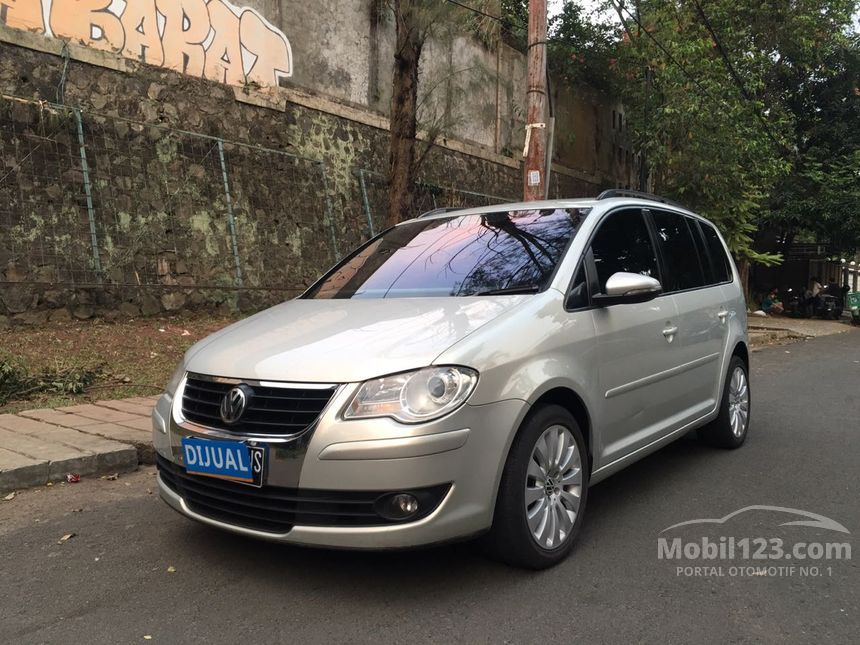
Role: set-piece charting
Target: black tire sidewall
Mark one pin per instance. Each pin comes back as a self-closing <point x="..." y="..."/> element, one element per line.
<point x="719" y="431"/>
<point x="511" y="536"/>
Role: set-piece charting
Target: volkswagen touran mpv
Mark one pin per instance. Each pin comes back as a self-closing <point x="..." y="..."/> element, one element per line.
<point x="461" y="374"/>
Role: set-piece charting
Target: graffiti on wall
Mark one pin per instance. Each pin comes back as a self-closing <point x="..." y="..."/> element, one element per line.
<point x="209" y="38"/>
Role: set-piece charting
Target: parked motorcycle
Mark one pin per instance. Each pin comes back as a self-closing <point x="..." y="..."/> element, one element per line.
<point x="794" y="303"/>
<point x="827" y="306"/>
<point x="798" y="303"/>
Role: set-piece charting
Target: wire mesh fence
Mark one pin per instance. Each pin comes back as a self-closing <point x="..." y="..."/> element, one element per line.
<point x="94" y="200"/>
<point x="89" y="200"/>
<point x="46" y="228"/>
<point x="428" y="197"/>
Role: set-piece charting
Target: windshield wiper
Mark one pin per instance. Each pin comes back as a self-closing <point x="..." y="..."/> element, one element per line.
<point x="532" y="288"/>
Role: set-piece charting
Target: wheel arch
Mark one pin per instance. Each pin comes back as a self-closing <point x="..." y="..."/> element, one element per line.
<point x="742" y="351"/>
<point x="567" y="398"/>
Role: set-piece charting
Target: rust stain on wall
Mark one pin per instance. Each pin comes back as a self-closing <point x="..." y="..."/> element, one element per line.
<point x="213" y="39"/>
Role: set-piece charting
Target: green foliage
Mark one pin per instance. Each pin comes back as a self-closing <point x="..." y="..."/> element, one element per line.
<point x="580" y="48"/>
<point x="17" y="383"/>
<point x="727" y="137"/>
<point x="515" y="20"/>
<point x="818" y="199"/>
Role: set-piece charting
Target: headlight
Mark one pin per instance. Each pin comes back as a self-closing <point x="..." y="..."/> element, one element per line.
<point x="171" y="386"/>
<point x="413" y="397"/>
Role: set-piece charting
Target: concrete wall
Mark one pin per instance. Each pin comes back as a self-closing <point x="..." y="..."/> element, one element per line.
<point x="196" y="192"/>
<point x="341" y="50"/>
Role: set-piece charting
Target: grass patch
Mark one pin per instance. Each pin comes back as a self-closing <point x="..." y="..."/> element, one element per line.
<point x="19" y="384"/>
<point x="87" y="361"/>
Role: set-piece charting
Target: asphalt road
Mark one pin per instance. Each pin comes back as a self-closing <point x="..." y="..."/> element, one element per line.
<point x="110" y="583"/>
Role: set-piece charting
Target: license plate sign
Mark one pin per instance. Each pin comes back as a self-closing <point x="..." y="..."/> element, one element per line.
<point x="231" y="460"/>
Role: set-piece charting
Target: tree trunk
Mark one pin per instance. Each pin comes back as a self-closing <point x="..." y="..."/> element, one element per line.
<point x="403" y="117"/>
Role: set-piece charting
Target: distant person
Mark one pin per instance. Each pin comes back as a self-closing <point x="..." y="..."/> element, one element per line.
<point x="772" y="305"/>
<point x="813" y="300"/>
<point x="815" y="287"/>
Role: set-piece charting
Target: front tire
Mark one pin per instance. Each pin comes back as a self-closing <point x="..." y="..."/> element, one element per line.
<point x="543" y="491"/>
<point x="729" y="429"/>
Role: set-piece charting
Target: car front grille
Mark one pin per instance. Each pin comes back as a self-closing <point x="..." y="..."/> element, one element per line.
<point x="269" y="411"/>
<point x="276" y="510"/>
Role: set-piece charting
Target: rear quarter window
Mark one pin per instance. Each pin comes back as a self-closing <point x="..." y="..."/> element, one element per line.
<point x="719" y="259"/>
<point x="680" y="255"/>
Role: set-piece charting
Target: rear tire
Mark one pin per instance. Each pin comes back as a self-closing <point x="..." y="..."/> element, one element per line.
<point x="729" y="429"/>
<point x="542" y="495"/>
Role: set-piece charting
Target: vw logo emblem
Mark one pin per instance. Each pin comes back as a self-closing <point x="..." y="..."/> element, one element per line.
<point x="233" y="404"/>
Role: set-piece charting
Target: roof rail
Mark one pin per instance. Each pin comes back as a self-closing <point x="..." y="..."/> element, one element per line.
<point x="623" y="192"/>
<point x="440" y="211"/>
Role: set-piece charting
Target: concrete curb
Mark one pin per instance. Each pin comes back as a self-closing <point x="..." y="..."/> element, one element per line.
<point x="760" y="338"/>
<point x="42" y="446"/>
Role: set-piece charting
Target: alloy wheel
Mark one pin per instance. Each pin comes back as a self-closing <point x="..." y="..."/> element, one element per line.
<point x="553" y="487"/>
<point x="739" y="402"/>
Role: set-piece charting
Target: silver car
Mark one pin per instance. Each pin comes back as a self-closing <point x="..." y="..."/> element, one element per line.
<point x="464" y="373"/>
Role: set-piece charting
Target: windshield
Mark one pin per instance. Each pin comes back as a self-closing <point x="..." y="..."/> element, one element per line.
<point x="487" y="254"/>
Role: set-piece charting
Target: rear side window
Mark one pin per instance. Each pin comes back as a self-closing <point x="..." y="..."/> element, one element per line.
<point x="719" y="260"/>
<point x="622" y="243"/>
<point x="699" y="239"/>
<point x="682" y="264"/>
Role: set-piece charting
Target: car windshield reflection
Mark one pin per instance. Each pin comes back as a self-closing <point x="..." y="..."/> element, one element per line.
<point x="484" y="254"/>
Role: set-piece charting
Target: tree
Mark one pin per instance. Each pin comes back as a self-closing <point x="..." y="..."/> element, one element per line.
<point x="752" y="115"/>
<point x="413" y="23"/>
<point x="711" y="143"/>
<point x="580" y="47"/>
<point x="417" y="21"/>
<point x="818" y="199"/>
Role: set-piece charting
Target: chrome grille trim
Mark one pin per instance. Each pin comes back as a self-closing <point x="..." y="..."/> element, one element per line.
<point x="277" y="409"/>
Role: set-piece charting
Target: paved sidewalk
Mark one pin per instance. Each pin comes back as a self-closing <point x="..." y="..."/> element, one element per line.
<point x="800" y="326"/>
<point x="92" y="439"/>
<point x="778" y="329"/>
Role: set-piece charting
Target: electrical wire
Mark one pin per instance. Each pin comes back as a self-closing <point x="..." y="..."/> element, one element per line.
<point x="742" y="88"/>
<point x="477" y="11"/>
<point x="620" y="7"/>
<point x="724" y="55"/>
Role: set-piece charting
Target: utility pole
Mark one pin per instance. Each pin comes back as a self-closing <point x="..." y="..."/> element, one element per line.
<point x="534" y="151"/>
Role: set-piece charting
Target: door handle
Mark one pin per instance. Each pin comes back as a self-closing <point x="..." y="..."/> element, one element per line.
<point x="722" y="315"/>
<point x="669" y="333"/>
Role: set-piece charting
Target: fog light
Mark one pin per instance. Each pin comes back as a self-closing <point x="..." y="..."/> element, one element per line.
<point x="407" y="504"/>
<point x="397" y="506"/>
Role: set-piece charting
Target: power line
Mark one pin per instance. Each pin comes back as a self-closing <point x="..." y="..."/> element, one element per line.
<point x="477" y="11"/>
<point x="620" y="7"/>
<point x="503" y="21"/>
<point x="742" y="88"/>
<point x="666" y="52"/>
<point x="720" y="102"/>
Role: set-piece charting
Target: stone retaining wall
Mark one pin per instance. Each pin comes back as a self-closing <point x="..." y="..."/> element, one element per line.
<point x="189" y="193"/>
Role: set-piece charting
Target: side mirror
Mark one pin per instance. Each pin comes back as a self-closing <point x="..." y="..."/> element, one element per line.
<point x="627" y="288"/>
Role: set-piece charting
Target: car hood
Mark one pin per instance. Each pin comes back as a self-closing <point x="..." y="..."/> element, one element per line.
<point x="340" y="341"/>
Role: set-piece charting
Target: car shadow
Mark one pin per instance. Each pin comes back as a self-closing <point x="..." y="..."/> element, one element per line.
<point x="648" y="481"/>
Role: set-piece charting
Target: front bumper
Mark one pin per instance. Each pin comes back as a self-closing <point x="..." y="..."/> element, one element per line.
<point x="464" y="451"/>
